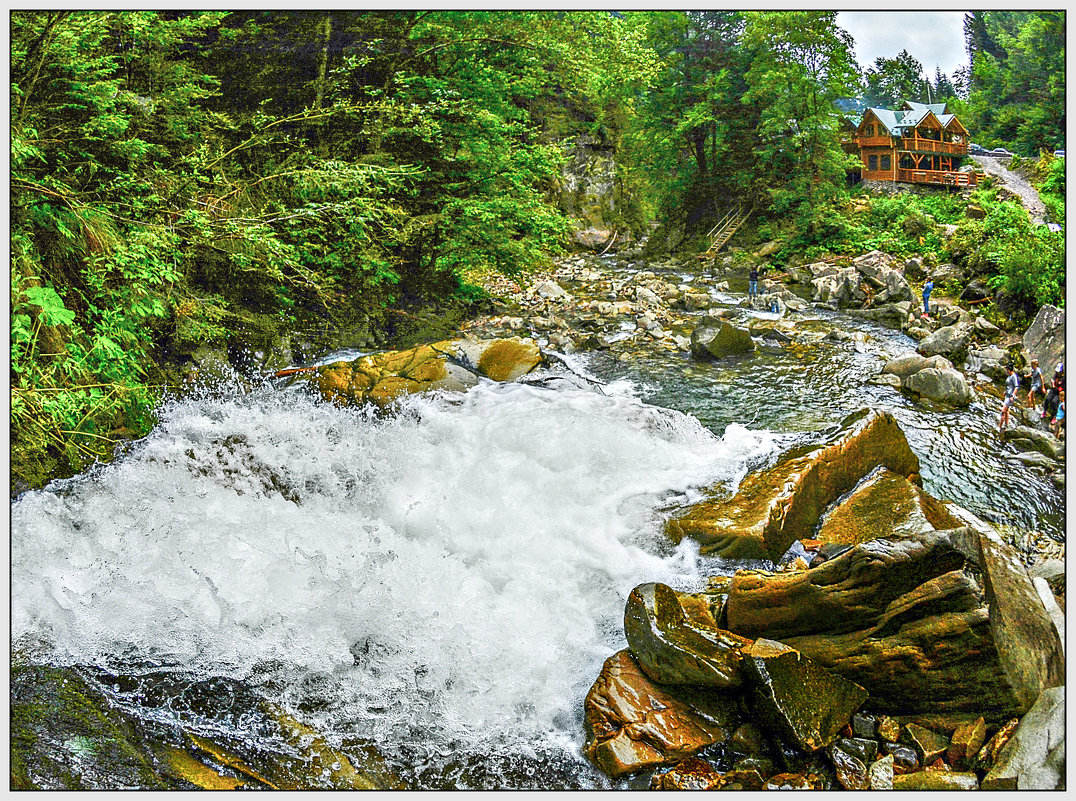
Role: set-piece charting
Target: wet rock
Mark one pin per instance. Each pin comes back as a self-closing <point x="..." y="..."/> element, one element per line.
<point x="883" y="502"/>
<point x="929" y="745"/>
<point x="1045" y="339"/>
<point x="908" y="364"/>
<point x="943" y="386"/>
<point x="1027" y="438"/>
<point x="797" y="698"/>
<point x="452" y="365"/>
<point x="1034" y="757"/>
<point x="888" y="729"/>
<point x="865" y="749"/>
<point x="773" y="508"/>
<point x="934" y="622"/>
<point x="864" y="725"/>
<point x="691" y="774"/>
<point x="748" y="740"/>
<point x="1053" y="570"/>
<point x="965" y="744"/>
<point x="935" y="780"/>
<point x="715" y="341"/>
<point x="671" y="649"/>
<point x="632" y="723"/>
<point x="551" y="290"/>
<point x="762" y="765"/>
<point x="905" y="759"/>
<point x="852" y="772"/>
<point x="880" y="774"/>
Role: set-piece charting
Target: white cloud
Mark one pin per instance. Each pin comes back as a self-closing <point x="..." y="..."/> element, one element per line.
<point x="933" y="38"/>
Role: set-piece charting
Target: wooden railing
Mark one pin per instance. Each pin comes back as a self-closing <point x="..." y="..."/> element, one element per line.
<point x="874" y="141"/>
<point x="933" y="146"/>
<point x="941" y="177"/>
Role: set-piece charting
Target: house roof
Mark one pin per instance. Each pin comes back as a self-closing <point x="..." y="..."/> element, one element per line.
<point x="895" y="121"/>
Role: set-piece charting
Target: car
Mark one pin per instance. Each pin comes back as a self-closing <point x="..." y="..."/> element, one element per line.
<point x="1059" y="154"/>
<point x="976" y="150"/>
<point x="1001" y="152"/>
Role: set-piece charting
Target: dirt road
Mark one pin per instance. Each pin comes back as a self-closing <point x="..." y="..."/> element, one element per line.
<point x="1015" y="184"/>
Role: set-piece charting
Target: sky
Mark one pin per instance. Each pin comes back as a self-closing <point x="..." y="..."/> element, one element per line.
<point x="933" y="38"/>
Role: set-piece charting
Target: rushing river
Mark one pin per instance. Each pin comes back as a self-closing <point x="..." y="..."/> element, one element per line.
<point x="446" y="582"/>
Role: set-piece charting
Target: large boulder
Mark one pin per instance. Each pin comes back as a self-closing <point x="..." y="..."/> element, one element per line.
<point x="1045" y="339"/>
<point x="943" y="621"/>
<point x="453" y="365"/>
<point x="943" y="386"/>
<point x="773" y="508"/>
<point x="632" y="723"/>
<point x="720" y="339"/>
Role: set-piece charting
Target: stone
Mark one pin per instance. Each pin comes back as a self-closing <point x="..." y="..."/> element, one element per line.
<point x="796" y="698"/>
<point x="691" y="774"/>
<point x="864" y="725"/>
<point x="928" y="744"/>
<point x="965" y="744"/>
<point x="976" y="291"/>
<point x="935" y="780"/>
<point x="792" y="781"/>
<point x="1053" y="571"/>
<point x="905" y="760"/>
<point x="864" y="749"/>
<point x="747" y="740"/>
<point x="1049" y="602"/>
<point x="715" y="341"/>
<point x="1029" y="438"/>
<point x="762" y="765"/>
<point x="880" y="774"/>
<point x="551" y="290"/>
<point x="950" y="341"/>
<point x="882" y="502"/>
<point x="1045" y="339"/>
<point x="888" y="729"/>
<point x="632" y="724"/>
<point x="1034" y="757"/>
<point x="671" y="649"/>
<point x="852" y="772"/>
<point x="452" y="365"/>
<point x="773" y="508"/>
<point x="943" y="386"/>
<point x="932" y="622"/>
<point x="988" y="754"/>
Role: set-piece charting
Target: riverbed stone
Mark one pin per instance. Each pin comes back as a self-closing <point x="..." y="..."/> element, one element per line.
<point x="935" y="780"/>
<point x="928" y="744"/>
<point x="718" y="339"/>
<point x="1027" y="438"/>
<point x="943" y="386"/>
<point x="691" y="774"/>
<point x="673" y="649"/>
<point x="773" y="508"/>
<point x="950" y="341"/>
<point x="452" y="365"/>
<point x="633" y="723"/>
<point x="797" y="698"/>
<point x="965" y="744"/>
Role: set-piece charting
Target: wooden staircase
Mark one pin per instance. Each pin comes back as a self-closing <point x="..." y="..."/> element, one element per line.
<point x="721" y="233"/>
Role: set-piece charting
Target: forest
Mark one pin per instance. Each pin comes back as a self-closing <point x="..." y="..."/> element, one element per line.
<point x="185" y="177"/>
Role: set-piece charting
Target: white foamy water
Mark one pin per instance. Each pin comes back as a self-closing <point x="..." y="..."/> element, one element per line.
<point x="454" y="575"/>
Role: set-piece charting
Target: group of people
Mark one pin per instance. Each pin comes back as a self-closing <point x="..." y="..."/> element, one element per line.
<point x="1053" y="399"/>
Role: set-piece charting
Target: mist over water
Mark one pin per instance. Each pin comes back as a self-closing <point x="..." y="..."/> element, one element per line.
<point x="449" y="578"/>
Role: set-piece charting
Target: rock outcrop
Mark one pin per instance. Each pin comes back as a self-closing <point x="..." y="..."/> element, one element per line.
<point x="773" y="508"/>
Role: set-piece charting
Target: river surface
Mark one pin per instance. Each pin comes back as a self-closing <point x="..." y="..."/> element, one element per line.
<point x="444" y="583"/>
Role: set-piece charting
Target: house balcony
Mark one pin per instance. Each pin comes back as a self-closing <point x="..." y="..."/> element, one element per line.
<point x="875" y="141"/>
<point x="917" y="145"/>
<point x="938" y="177"/>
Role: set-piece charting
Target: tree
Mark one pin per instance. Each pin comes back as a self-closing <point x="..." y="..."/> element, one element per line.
<point x="891" y="81"/>
<point x="802" y="64"/>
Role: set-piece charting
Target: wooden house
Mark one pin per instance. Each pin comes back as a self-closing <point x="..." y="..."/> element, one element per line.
<point x="916" y="144"/>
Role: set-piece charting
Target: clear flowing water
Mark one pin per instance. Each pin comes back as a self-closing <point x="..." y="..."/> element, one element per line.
<point x="446" y="582"/>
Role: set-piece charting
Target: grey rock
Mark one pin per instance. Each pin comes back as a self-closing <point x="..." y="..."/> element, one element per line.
<point x="1045" y="339"/>
<point x="950" y="341"/>
<point x="943" y="386"/>
<point x="1034" y="758"/>
<point x="714" y="341"/>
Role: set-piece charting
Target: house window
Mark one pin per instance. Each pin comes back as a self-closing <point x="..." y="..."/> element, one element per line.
<point x="872" y="162"/>
<point x="869" y="130"/>
<point x="887" y="163"/>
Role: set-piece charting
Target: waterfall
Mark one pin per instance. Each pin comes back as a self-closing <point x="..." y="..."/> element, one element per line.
<point x="450" y="576"/>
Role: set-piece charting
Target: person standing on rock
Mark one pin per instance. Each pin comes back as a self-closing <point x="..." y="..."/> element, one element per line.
<point x="1059" y="419"/>
<point x="1012" y="383"/>
<point x="1036" y="389"/>
<point x="752" y="284"/>
<point x="928" y="287"/>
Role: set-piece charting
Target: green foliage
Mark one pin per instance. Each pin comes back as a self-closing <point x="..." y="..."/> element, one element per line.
<point x="891" y="81"/>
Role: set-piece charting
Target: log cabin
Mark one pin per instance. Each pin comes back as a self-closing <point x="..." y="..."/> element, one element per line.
<point x="916" y="144"/>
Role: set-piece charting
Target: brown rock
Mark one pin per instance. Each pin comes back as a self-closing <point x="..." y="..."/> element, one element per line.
<point x="793" y="781"/>
<point x="988" y="754"/>
<point x="672" y="649"/>
<point x="632" y="723"/>
<point x="691" y="774"/>
<point x="797" y="698"/>
<point x="884" y="503"/>
<point x="928" y="744"/>
<point x="888" y="729"/>
<point x="936" y="780"/>
<point x="966" y="742"/>
<point x="771" y="509"/>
